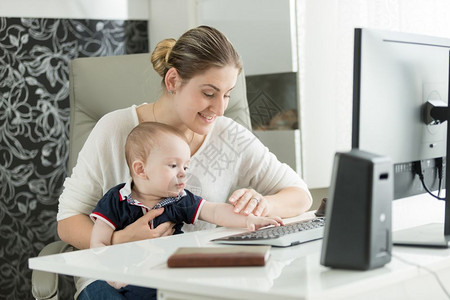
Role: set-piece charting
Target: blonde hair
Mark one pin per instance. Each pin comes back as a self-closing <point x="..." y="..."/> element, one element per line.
<point x="195" y="51"/>
<point x="143" y="138"/>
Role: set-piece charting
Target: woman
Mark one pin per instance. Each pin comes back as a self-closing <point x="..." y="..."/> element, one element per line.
<point x="198" y="73"/>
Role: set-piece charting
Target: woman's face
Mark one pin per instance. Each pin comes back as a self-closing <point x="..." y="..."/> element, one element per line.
<point x="205" y="97"/>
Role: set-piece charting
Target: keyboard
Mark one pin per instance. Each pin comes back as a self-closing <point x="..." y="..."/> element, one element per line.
<point x="280" y="236"/>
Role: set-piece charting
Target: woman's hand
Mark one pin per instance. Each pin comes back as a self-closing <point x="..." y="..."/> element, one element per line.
<point x="140" y="229"/>
<point x="247" y="201"/>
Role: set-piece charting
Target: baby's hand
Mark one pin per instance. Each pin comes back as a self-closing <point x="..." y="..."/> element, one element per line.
<point x="254" y="222"/>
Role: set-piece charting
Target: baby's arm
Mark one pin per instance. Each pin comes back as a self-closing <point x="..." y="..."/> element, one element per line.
<point x="222" y="214"/>
<point x="101" y="234"/>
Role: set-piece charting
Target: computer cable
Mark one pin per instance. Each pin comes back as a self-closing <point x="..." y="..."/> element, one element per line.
<point x="417" y="168"/>
<point x="434" y="274"/>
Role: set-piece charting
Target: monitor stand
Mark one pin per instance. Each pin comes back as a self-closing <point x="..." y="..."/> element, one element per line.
<point x="428" y="235"/>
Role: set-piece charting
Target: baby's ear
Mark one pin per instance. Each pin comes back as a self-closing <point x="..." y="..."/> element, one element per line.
<point x="139" y="169"/>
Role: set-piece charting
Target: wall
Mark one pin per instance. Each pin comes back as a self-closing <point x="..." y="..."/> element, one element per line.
<point x="37" y="42"/>
<point x="262" y="31"/>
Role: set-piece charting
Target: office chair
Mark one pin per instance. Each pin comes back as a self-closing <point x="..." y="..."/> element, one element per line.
<point x="99" y="85"/>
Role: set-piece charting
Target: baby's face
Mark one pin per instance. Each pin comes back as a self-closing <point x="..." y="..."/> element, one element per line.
<point x="166" y="166"/>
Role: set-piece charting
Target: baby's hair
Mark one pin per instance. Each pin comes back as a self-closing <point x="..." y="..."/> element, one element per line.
<point x="194" y="52"/>
<point x="143" y="138"/>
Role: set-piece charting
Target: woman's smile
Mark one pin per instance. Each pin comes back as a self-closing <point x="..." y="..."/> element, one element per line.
<point x="207" y="118"/>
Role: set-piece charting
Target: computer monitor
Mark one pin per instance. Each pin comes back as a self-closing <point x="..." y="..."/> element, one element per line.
<point x="400" y="96"/>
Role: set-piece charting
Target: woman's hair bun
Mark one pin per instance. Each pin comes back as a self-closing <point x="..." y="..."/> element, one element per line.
<point x="160" y="56"/>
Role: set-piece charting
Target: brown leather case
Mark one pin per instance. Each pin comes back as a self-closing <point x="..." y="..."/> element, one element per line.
<point x="207" y="257"/>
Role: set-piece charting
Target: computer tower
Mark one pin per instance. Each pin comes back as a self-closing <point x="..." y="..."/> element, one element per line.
<point x="358" y="212"/>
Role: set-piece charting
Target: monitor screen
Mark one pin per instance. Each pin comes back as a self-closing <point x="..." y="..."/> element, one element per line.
<point x="398" y="79"/>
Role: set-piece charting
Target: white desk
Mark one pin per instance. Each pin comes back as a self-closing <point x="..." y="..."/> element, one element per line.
<point x="291" y="273"/>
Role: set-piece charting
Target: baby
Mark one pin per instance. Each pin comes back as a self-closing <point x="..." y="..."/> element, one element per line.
<point x="158" y="157"/>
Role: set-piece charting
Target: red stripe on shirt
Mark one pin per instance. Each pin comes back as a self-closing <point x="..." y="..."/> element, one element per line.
<point x="196" y="211"/>
<point x="105" y="218"/>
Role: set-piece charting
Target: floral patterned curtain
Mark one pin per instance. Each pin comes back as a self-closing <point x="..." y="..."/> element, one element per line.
<point x="34" y="124"/>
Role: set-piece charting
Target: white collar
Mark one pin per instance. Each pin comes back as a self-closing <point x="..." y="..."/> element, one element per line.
<point x="125" y="191"/>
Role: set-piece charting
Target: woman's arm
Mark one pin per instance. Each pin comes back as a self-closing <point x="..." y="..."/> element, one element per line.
<point x="76" y="231"/>
<point x="288" y="202"/>
<point x="268" y="187"/>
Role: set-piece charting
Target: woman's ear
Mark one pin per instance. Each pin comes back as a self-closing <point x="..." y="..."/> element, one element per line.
<point x="171" y="80"/>
<point x="139" y="169"/>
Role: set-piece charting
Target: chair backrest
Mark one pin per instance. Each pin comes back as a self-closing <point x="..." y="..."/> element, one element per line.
<point x="99" y="85"/>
